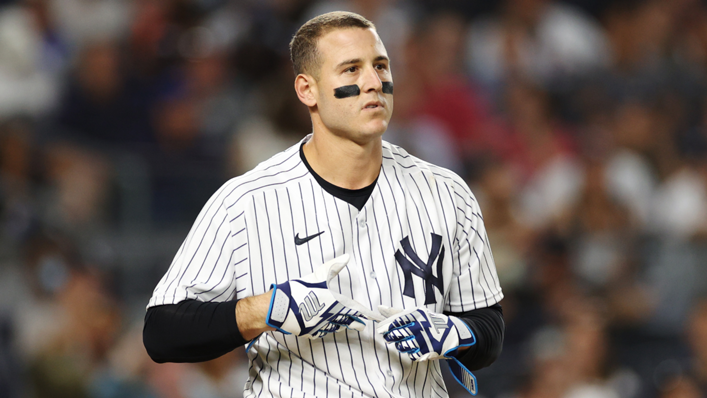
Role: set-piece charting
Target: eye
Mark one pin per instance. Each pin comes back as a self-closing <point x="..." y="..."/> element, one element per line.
<point x="382" y="67"/>
<point x="351" y="69"/>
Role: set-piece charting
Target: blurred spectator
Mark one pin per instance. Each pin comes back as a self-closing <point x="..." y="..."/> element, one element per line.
<point x="697" y="339"/>
<point x="574" y="359"/>
<point x="100" y="105"/>
<point x="79" y="186"/>
<point x="451" y="111"/>
<point x="28" y="81"/>
<point x="541" y="40"/>
<point x="602" y="232"/>
<point x="18" y="174"/>
<point x="496" y="193"/>
<point x="84" y="21"/>
<point x="541" y="153"/>
<point x="393" y="20"/>
<point x="630" y="176"/>
<point x="281" y="123"/>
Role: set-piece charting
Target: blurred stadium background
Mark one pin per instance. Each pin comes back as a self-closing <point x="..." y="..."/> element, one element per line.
<point x="580" y="125"/>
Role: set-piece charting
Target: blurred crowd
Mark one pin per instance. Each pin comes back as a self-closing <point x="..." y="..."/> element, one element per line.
<point x="580" y="125"/>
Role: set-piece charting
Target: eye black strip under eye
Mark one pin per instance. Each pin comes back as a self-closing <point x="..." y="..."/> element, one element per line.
<point x="347" y="91"/>
<point x="353" y="90"/>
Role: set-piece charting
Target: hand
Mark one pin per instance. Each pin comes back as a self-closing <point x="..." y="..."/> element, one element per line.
<point x="424" y="335"/>
<point x="306" y="306"/>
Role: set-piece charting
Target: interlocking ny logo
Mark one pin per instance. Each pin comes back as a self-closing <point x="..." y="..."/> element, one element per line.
<point x="422" y="269"/>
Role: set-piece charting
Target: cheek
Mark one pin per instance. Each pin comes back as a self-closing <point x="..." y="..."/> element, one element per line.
<point x="335" y="108"/>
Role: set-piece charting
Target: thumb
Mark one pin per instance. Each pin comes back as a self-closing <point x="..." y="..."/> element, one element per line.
<point x="388" y="314"/>
<point x="331" y="268"/>
<point x="337" y="265"/>
<point x="388" y="311"/>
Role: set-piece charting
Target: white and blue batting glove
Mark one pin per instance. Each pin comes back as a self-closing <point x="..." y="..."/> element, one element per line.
<point x="424" y="335"/>
<point x="307" y="307"/>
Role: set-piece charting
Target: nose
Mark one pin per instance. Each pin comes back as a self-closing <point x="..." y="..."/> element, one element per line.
<point x="371" y="81"/>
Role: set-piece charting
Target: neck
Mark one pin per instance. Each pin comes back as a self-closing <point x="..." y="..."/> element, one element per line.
<point x="343" y="162"/>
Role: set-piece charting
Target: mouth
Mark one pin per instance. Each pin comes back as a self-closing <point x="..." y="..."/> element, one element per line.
<point x="374" y="105"/>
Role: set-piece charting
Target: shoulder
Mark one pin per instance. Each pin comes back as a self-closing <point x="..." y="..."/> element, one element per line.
<point x="283" y="168"/>
<point x="406" y="163"/>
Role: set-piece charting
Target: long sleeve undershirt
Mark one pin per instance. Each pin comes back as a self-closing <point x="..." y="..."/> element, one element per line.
<point x="195" y="331"/>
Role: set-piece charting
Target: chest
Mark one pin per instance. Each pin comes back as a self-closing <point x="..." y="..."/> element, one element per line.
<point x="400" y="242"/>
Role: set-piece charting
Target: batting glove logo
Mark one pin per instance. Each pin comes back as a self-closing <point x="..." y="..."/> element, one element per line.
<point x="310" y="307"/>
<point x="307" y="307"/>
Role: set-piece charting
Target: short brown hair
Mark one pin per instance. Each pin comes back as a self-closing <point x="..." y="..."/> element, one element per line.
<point x="303" y="47"/>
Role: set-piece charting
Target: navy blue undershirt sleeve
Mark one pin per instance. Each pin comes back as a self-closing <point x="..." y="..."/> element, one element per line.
<point x="489" y="328"/>
<point x="194" y="331"/>
<point x="191" y="331"/>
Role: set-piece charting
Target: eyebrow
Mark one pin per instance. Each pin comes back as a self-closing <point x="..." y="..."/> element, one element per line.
<point x="358" y="60"/>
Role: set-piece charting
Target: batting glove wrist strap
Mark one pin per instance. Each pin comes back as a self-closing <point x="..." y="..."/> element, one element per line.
<point x="463" y="375"/>
<point x="306" y="307"/>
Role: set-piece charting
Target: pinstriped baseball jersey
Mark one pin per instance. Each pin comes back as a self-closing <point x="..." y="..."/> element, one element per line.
<point x="418" y="241"/>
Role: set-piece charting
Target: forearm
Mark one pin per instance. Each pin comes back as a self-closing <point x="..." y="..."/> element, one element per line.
<point x="251" y="313"/>
<point x="489" y="329"/>
<point x="194" y="331"/>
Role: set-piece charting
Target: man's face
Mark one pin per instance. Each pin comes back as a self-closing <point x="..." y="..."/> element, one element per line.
<point x="354" y="56"/>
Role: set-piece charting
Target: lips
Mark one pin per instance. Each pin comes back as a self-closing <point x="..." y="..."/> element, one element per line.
<point x="373" y="105"/>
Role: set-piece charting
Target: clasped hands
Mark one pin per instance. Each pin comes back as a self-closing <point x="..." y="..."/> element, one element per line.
<point x="307" y="307"/>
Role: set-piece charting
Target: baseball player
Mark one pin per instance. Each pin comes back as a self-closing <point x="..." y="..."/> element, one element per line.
<point x="349" y="267"/>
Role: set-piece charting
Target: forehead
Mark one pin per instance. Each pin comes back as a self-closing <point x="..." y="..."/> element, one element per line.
<point x="339" y="45"/>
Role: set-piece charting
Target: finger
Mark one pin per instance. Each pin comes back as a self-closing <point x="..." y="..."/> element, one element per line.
<point x="336" y="265"/>
<point x="341" y="319"/>
<point x="388" y="311"/>
<point x="407" y="346"/>
<point x="329" y="328"/>
<point x="383" y="327"/>
<point x="356" y="324"/>
<point x="397" y="335"/>
<point x="346" y="319"/>
<point x="356" y="306"/>
<point x="405" y="321"/>
<point x="317" y="335"/>
<point x="392" y="323"/>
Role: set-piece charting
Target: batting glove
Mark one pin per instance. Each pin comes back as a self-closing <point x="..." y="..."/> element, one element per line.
<point x="425" y="336"/>
<point x="307" y="307"/>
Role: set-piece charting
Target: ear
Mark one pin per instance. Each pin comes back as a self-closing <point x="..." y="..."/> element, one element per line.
<point x="306" y="89"/>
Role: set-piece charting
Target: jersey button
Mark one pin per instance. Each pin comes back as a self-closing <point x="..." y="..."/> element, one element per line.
<point x="362" y="223"/>
<point x="373" y="274"/>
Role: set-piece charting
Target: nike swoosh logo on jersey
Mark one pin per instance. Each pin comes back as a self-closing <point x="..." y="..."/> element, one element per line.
<point x="301" y="241"/>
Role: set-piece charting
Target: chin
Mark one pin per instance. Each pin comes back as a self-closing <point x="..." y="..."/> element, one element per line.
<point x="367" y="132"/>
<point x="373" y="133"/>
<point x="378" y="128"/>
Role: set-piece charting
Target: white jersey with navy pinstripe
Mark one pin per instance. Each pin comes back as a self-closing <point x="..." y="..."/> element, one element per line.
<point x="418" y="241"/>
